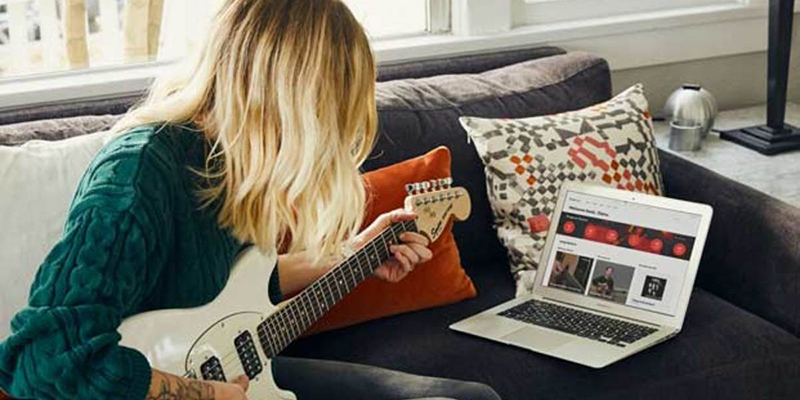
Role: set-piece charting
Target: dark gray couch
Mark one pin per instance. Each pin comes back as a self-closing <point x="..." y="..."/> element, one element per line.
<point x="740" y="339"/>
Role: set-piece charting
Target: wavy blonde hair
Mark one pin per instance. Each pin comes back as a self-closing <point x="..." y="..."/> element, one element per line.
<point x="285" y="91"/>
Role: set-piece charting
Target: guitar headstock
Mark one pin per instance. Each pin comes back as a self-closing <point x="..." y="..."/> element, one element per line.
<point x="434" y="202"/>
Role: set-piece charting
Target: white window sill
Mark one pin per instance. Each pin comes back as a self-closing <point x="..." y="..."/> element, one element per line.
<point x="628" y="41"/>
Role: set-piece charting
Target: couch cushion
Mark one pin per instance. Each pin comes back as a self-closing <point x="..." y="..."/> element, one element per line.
<point x="467" y="64"/>
<point x="37" y="180"/>
<point x="735" y="266"/>
<point x="54" y="129"/>
<point x="417" y="115"/>
<point x="723" y="352"/>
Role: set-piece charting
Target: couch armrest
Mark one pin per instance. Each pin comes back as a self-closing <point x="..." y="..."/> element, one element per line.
<point x="752" y="256"/>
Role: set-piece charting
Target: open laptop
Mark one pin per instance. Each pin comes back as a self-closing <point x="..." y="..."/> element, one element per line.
<point x="615" y="278"/>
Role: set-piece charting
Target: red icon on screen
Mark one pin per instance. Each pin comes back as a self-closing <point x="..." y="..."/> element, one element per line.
<point x="679" y="249"/>
<point x="612" y="236"/>
<point x="656" y="245"/>
<point x="569" y="227"/>
<point x="634" y="240"/>
<point x="590" y="232"/>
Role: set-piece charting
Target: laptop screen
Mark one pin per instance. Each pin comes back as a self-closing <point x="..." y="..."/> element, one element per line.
<point x="622" y="252"/>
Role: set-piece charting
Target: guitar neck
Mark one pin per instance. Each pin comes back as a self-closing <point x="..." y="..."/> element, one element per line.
<point x="281" y="328"/>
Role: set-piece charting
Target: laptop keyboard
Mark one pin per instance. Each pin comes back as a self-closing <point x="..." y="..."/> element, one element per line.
<point x="576" y="322"/>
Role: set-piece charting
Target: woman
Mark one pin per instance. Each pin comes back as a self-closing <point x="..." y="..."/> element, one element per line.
<point x="259" y="140"/>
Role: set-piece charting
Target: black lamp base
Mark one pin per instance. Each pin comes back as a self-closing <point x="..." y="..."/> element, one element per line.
<point x="764" y="139"/>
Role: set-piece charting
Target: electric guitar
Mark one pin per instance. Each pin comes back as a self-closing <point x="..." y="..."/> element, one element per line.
<point x="241" y="330"/>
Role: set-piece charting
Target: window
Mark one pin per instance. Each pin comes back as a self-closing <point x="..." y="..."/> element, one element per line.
<point x="528" y="12"/>
<point x="45" y="36"/>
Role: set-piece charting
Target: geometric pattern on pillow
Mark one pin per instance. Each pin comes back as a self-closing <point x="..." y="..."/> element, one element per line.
<point x="527" y="160"/>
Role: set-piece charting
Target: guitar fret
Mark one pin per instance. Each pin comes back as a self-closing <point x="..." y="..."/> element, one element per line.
<point x="395" y="237"/>
<point x="377" y="259"/>
<point x="283" y="335"/>
<point x="310" y="306"/>
<point x="338" y="281"/>
<point x="304" y="311"/>
<point x="274" y="334"/>
<point x="320" y="298"/>
<point x="263" y="336"/>
<point x="385" y="246"/>
<point x="336" y="284"/>
<point x="300" y="313"/>
<point x="360" y="268"/>
<point x="295" y="321"/>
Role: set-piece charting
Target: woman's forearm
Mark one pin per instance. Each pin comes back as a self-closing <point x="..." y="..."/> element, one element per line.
<point x="295" y="271"/>
<point x="164" y="386"/>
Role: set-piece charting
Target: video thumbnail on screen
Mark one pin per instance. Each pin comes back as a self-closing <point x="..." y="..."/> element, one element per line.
<point x="611" y="281"/>
<point x="570" y="272"/>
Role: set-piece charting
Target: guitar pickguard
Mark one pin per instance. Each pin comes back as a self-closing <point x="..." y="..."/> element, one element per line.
<point x="181" y="341"/>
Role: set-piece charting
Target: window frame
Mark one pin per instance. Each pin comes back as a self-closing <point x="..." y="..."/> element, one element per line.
<point x="528" y="12"/>
<point x="682" y="35"/>
<point x="439" y="18"/>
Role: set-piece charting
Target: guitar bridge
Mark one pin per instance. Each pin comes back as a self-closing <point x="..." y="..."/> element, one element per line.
<point x="248" y="354"/>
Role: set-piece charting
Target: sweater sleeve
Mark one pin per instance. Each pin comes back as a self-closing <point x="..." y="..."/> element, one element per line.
<point x="65" y="344"/>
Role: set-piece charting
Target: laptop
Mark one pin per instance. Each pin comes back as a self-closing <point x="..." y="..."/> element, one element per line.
<point x="615" y="278"/>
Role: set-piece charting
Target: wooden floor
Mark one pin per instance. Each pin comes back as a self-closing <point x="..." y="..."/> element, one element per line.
<point x="778" y="176"/>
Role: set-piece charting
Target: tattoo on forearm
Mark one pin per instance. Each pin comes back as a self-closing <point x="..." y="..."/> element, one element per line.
<point x="165" y="387"/>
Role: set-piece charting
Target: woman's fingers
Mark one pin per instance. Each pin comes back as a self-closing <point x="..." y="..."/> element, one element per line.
<point x="398" y="215"/>
<point x="413" y="237"/>
<point x="243" y="381"/>
<point x="424" y="253"/>
<point x="409" y="254"/>
<point x="402" y="255"/>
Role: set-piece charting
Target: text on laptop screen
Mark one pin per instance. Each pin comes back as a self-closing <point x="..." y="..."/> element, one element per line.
<point x="623" y="252"/>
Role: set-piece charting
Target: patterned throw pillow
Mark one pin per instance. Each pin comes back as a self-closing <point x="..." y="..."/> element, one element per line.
<point x="528" y="159"/>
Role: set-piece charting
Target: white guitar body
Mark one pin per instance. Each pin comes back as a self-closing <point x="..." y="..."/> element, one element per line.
<point x="181" y="341"/>
<point x="231" y="335"/>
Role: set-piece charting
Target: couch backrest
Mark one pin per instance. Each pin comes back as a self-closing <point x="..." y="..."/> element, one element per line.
<point x="417" y="115"/>
<point x="419" y="105"/>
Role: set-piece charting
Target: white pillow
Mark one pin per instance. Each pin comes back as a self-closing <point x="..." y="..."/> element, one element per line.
<point x="528" y="159"/>
<point x="37" y="181"/>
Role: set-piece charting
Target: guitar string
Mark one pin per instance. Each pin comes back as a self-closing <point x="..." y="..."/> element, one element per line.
<point x="231" y="358"/>
<point x="318" y="288"/>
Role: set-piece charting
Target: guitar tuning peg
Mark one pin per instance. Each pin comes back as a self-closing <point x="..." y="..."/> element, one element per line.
<point x="417" y="188"/>
<point x="426" y="186"/>
<point x="449" y="182"/>
<point x="442" y="183"/>
<point x="409" y="188"/>
<point x="434" y="184"/>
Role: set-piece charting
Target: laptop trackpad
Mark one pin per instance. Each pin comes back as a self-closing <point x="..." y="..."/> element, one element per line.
<point x="537" y="338"/>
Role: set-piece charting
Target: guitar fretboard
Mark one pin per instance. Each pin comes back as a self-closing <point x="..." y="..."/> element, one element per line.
<point x="298" y="314"/>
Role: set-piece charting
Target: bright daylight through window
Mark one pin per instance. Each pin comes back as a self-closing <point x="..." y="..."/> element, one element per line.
<point x="46" y="36"/>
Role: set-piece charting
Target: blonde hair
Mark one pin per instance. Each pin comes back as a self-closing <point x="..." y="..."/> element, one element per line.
<point x="285" y="90"/>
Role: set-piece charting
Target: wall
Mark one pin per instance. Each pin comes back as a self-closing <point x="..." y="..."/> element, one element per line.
<point x="736" y="81"/>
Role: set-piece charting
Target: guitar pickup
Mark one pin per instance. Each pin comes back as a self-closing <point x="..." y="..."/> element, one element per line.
<point x="248" y="355"/>
<point x="212" y="370"/>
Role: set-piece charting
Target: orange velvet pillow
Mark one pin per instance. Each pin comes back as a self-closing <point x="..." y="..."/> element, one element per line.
<point x="437" y="282"/>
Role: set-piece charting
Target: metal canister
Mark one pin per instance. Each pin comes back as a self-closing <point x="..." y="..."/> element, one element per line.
<point x="685" y="137"/>
<point x="691" y="105"/>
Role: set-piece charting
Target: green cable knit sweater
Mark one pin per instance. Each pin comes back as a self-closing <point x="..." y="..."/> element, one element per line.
<point x="135" y="240"/>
